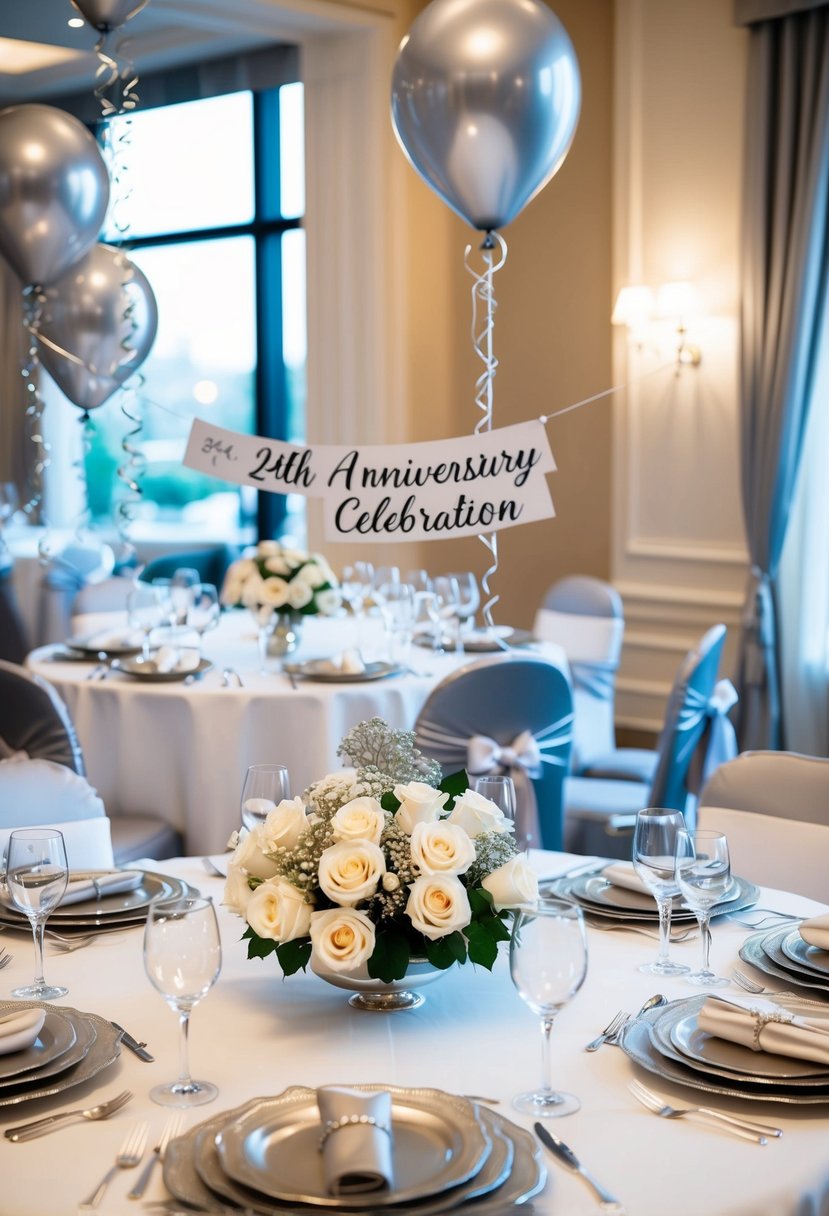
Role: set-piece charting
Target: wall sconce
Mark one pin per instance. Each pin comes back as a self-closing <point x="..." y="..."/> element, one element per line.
<point x="637" y="306"/>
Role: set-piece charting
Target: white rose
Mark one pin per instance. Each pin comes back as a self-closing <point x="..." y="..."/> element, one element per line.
<point x="360" y="819"/>
<point x="310" y="575"/>
<point x="250" y="856"/>
<point x="350" y="871"/>
<point x="277" y="910"/>
<point x="274" y="592"/>
<point x="237" y="893"/>
<point x="277" y="564"/>
<point x="476" y="814"/>
<point x="512" y="885"/>
<point x="441" y="848"/>
<point x="438" y="905"/>
<point x="268" y="548"/>
<point x="237" y="575"/>
<point x="419" y="803"/>
<point x="252" y="591"/>
<point x="285" y="824"/>
<point x="299" y="594"/>
<point x="328" y="575"/>
<point x="328" y="602"/>
<point x="294" y="557"/>
<point x="341" y="938"/>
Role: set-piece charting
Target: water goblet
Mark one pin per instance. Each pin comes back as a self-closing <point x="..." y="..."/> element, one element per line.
<point x="448" y="597"/>
<point x="703" y="875"/>
<point x="500" y="789"/>
<point x="266" y="619"/>
<point x="265" y="786"/>
<point x="397" y="607"/>
<point x="419" y="579"/>
<point x="469" y="601"/>
<point x="548" y="963"/>
<point x="654" y="849"/>
<point x="204" y="610"/>
<point x="182" y="587"/>
<point x="146" y="611"/>
<point x="183" y="958"/>
<point x="36" y="878"/>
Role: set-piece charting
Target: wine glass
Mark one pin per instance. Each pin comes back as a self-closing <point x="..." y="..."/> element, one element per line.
<point x="182" y="588"/>
<point x="654" y="850"/>
<point x="204" y="610"/>
<point x="397" y="607"/>
<point x="469" y="599"/>
<point x="266" y="619"/>
<point x="355" y="586"/>
<point x="448" y="596"/>
<point x="146" y="610"/>
<point x="500" y="789"/>
<point x="703" y="875"/>
<point x="548" y="963"/>
<point x="419" y="579"/>
<point x="265" y="786"/>
<point x="183" y="958"/>
<point x="36" y="878"/>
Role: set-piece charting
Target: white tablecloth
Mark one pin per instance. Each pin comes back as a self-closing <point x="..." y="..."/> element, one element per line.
<point x="181" y="751"/>
<point x="256" y="1033"/>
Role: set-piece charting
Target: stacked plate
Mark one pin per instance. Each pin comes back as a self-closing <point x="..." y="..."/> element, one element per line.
<point x="783" y="953"/>
<point x="70" y="1048"/>
<point x="669" y="1043"/>
<point x="324" y="671"/>
<point x="111" y="644"/>
<point x="110" y="913"/>
<point x="264" y="1157"/>
<point x="601" y="898"/>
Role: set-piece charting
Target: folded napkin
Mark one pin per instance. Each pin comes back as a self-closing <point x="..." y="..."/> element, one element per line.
<point x="109" y="639"/>
<point x="816" y="931"/>
<point x="764" y="1026"/>
<point x="622" y="874"/>
<point x="170" y="658"/>
<point x="20" y="1029"/>
<point x="88" y="887"/>
<point x="350" y="662"/>
<point x="356" y="1140"/>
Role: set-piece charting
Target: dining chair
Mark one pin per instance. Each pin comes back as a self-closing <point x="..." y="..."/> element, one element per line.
<point x="13" y="642"/>
<point x="41" y="793"/>
<point x="65" y="573"/>
<point x="774" y="809"/>
<point x="696" y="737"/>
<point x="98" y="605"/>
<point x="506" y="714"/>
<point x="585" y="616"/>
<point x="211" y="563"/>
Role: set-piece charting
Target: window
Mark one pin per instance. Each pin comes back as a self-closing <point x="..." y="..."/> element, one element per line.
<point x="210" y="210"/>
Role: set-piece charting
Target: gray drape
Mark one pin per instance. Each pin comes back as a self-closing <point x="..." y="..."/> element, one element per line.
<point x="785" y="266"/>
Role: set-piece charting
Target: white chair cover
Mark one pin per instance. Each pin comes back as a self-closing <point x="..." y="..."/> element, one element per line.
<point x="40" y="793"/>
<point x="788" y="854"/>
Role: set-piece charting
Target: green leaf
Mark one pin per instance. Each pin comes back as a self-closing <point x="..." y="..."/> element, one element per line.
<point x="480" y="901"/>
<point x="294" y="955"/>
<point x="483" y="948"/>
<point x="388" y="802"/>
<point x="446" y="951"/>
<point x="495" y="927"/>
<point x="390" y="958"/>
<point x="259" y="947"/>
<point x="454" y="785"/>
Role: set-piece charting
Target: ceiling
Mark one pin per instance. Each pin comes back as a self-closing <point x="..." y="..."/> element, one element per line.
<point x="164" y="34"/>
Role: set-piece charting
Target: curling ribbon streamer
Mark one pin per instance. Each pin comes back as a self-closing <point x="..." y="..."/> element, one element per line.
<point x="33" y="301"/>
<point x="483" y="295"/>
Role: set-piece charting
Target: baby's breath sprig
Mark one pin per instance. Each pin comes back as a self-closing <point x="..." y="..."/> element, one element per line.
<point x="492" y="849"/>
<point x="384" y="755"/>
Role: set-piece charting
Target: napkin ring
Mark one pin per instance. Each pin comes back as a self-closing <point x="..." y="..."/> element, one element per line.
<point x="761" y="1020"/>
<point x="334" y="1125"/>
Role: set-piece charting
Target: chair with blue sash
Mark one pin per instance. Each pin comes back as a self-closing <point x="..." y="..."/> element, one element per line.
<point x="510" y="714"/>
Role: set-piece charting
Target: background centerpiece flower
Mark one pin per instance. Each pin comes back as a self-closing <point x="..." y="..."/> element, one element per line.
<point x="284" y="579"/>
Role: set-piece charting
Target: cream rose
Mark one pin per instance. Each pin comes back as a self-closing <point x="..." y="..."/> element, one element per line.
<point x="441" y="848"/>
<point x="275" y="592"/>
<point x="476" y="814"/>
<point x="299" y="594"/>
<point x="250" y="857"/>
<point x="277" y="565"/>
<point x="328" y="601"/>
<point x="350" y="871"/>
<point x="438" y="905"/>
<point x="360" y="819"/>
<point x="341" y="938"/>
<point x="285" y="824"/>
<point x="237" y="893"/>
<point x="512" y="885"/>
<point x="278" y="910"/>
<point x="419" y="803"/>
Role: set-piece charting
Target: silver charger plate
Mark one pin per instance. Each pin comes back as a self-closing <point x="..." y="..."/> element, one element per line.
<point x="763" y="951"/>
<point x="810" y="958"/>
<point x="637" y="1042"/>
<point x="146" y="671"/>
<point x="55" y="1037"/>
<point x="320" y="669"/>
<point x="123" y="910"/>
<point x="127" y="645"/>
<point x="598" y="897"/>
<point x="274" y="1147"/>
<point x="103" y="1050"/>
<point x="83" y="1038"/>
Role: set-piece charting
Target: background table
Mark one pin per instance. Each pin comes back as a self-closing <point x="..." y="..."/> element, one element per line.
<point x="181" y="751"/>
<point x="256" y="1033"/>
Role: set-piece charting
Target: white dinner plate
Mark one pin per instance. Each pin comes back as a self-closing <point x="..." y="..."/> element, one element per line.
<point x="696" y="1044"/>
<point x="321" y="669"/>
<point x="113" y="644"/>
<point x="146" y="670"/>
<point x="812" y="958"/>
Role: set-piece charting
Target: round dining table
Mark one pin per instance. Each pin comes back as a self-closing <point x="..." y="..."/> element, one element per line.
<point x="256" y="1033"/>
<point x="180" y="749"/>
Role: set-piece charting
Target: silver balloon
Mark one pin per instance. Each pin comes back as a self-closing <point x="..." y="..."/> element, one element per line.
<point x="54" y="191"/>
<point x="98" y="325"/>
<point x="485" y="102"/>
<point x="107" y="15"/>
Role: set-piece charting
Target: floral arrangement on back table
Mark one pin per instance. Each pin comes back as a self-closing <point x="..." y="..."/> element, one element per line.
<point x="378" y="865"/>
<point x="284" y="579"/>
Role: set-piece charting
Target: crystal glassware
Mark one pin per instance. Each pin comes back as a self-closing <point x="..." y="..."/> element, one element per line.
<point x="36" y="878"/>
<point x="654" y="849"/>
<point x="182" y="587"/>
<point x="548" y="963"/>
<point x="397" y="607"/>
<point x="703" y="875"/>
<point x="469" y="599"/>
<point x="267" y="618"/>
<point x="183" y="958"/>
<point x="204" y="610"/>
<point x="500" y="789"/>
<point x="264" y="787"/>
<point x="146" y="610"/>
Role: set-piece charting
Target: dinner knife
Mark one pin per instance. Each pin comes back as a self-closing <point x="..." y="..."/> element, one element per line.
<point x="140" y="1049"/>
<point x="567" y="1157"/>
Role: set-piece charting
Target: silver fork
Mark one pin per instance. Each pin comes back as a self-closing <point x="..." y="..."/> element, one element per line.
<point x="129" y="1155"/>
<point x="39" y="1127"/>
<point x="615" y="1024"/>
<point x="5" y="958"/>
<point x="746" y="1129"/>
<point x="769" y="919"/>
<point x="67" y="944"/>
<point x="172" y="1128"/>
<point x="739" y="977"/>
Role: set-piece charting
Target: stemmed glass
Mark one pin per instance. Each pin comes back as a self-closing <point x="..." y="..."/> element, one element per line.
<point x="183" y="958"/>
<point x="500" y="789"/>
<point x="203" y="611"/>
<point x="182" y="588"/>
<point x="469" y="601"/>
<point x="548" y="963"/>
<point x="448" y="597"/>
<point x="266" y="619"/>
<point x="146" y="610"/>
<point x="265" y="786"/>
<point x="654" y="849"/>
<point x="397" y="607"/>
<point x="36" y="878"/>
<point x="355" y="587"/>
<point x="703" y="875"/>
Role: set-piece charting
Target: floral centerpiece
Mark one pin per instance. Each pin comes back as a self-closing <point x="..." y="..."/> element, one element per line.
<point x="379" y="865"/>
<point x="282" y="579"/>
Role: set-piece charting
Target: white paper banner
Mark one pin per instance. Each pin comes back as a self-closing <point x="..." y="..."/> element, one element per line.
<point x="417" y="491"/>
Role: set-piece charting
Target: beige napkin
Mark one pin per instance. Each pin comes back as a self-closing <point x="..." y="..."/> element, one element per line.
<point x="107" y="639"/>
<point x="764" y="1026"/>
<point x="170" y="658"/>
<point x="622" y="874"/>
<point x="97" y="887"/>
<point x="356" y="1141"/>
<point x="20" y="1029"/>
<point x="350" y="662"/>
<point x="815" y="931"/>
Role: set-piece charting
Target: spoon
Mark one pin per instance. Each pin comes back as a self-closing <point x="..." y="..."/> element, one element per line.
<point x="653" y="1002"/>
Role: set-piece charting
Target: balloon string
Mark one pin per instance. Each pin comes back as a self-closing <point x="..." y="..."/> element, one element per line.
<point x="83" y="520"/>
<point x="116" y="87"/>
<point x="33" y="301"/>
<point x="483" y="297"/>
